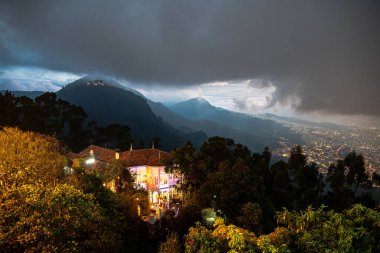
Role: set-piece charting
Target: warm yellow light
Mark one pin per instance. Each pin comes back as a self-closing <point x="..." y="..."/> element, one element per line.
<point x="90" y="161"/>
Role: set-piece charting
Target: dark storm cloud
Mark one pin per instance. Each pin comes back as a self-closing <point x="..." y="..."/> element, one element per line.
<point x="325" y="54"/>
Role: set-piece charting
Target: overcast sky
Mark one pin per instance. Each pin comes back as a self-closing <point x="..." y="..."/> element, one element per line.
<point x="281" y="56"/>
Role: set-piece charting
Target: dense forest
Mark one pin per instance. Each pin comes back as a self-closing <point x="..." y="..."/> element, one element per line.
<point x="48" y="114"/>
<point x="233" y="200"/>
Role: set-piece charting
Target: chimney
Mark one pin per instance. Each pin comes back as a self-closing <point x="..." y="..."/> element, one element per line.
<point x="152" y="144"/>
<point x="131" y="148"/>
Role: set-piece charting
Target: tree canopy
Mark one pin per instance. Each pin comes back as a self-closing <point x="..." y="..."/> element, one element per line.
<point x="311" y="230"/>
<point x="227" y="177"/>
<point x="52" y="218"/>
<point x="27" y="157"/>
<point x="50" y="115"/>
<point x="41" y="213"/>
<point x="43" y="209"/>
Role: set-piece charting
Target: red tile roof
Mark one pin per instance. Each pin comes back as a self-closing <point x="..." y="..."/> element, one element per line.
<point x="152" y="157"/>
<point x="72" y="156"/>
<point x="102" y="154"/>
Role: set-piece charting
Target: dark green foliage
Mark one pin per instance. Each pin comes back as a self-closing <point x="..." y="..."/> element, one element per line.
<point x="356" y="175"/>
<point x="354" y="230"/>
<point x="171" y="245"/>
<point x="46" y="114"/>
<point x="251" y="215"/>
<point x="93" y="183"/>
<point x="225" y="176"/>
<point x="376" y="178"/>
<point x="121" y="208"/>
<point x="50" y="115"/>
<point x="296" y="184"/>
<point x="113" y="136"/>
<point x="222" y="175"/>
<point x="310" y="186"/>
<point x="8" y="109"/>
<point x="187" y="217"/>
<point x="229" y="188"/>
<point x="311" y="230"/>
<point x="345" y="178"/>
<point x="282" y="190"/>
<point x="188" y="162"/>
<point x="217" y="150"/>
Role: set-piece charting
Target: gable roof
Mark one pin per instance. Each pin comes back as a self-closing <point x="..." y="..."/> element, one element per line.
<point x="151" y="157"/>
<point x="102" y="154"/>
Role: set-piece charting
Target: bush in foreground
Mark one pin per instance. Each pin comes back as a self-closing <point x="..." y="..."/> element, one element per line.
<point x="38" y="218"/>
<point x="354" y="230"/>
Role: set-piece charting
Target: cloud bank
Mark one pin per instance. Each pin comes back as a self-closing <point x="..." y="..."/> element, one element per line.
<point x="318" y="55"/>
<point x="34" y="79"/>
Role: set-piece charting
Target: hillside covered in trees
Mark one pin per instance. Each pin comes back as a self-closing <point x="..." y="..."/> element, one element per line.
<point x="48" y="114"/>
<point x="234" y="201"/>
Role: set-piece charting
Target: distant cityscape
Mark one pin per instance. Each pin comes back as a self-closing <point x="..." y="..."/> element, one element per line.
<point x="326" y="145"/>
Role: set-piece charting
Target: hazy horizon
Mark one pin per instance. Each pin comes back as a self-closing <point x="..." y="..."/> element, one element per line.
<point x="214" y="93"/>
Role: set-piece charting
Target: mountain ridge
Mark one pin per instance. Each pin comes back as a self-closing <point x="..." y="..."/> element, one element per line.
<point x="242" y="127"/>
<point x="107" y="104"/>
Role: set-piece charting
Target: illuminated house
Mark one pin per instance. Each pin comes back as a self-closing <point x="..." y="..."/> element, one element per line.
<point x="146" y="165"/>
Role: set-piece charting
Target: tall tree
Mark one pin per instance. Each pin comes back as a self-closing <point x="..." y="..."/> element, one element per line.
<point x="9" y="110"/>
<point x="310" y="186"/>
<point x="27" y="157"/>
<point x="52" y="116"/>
<point x="228" y="188"/>
<point x="281" y="187"/>
<point x="345" y="177"/>
<point x="356" y="176"/>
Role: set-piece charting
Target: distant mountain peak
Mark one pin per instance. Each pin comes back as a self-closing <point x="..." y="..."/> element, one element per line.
<point x="199" y="100"/>
<point x="99" y="80"/>
<point x="92" y="80"/>
<point x="200" y="103"/>
<point x="197" y="108"/>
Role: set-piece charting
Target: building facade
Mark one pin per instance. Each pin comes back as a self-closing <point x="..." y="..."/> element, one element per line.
<point x="146" y="166"/>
